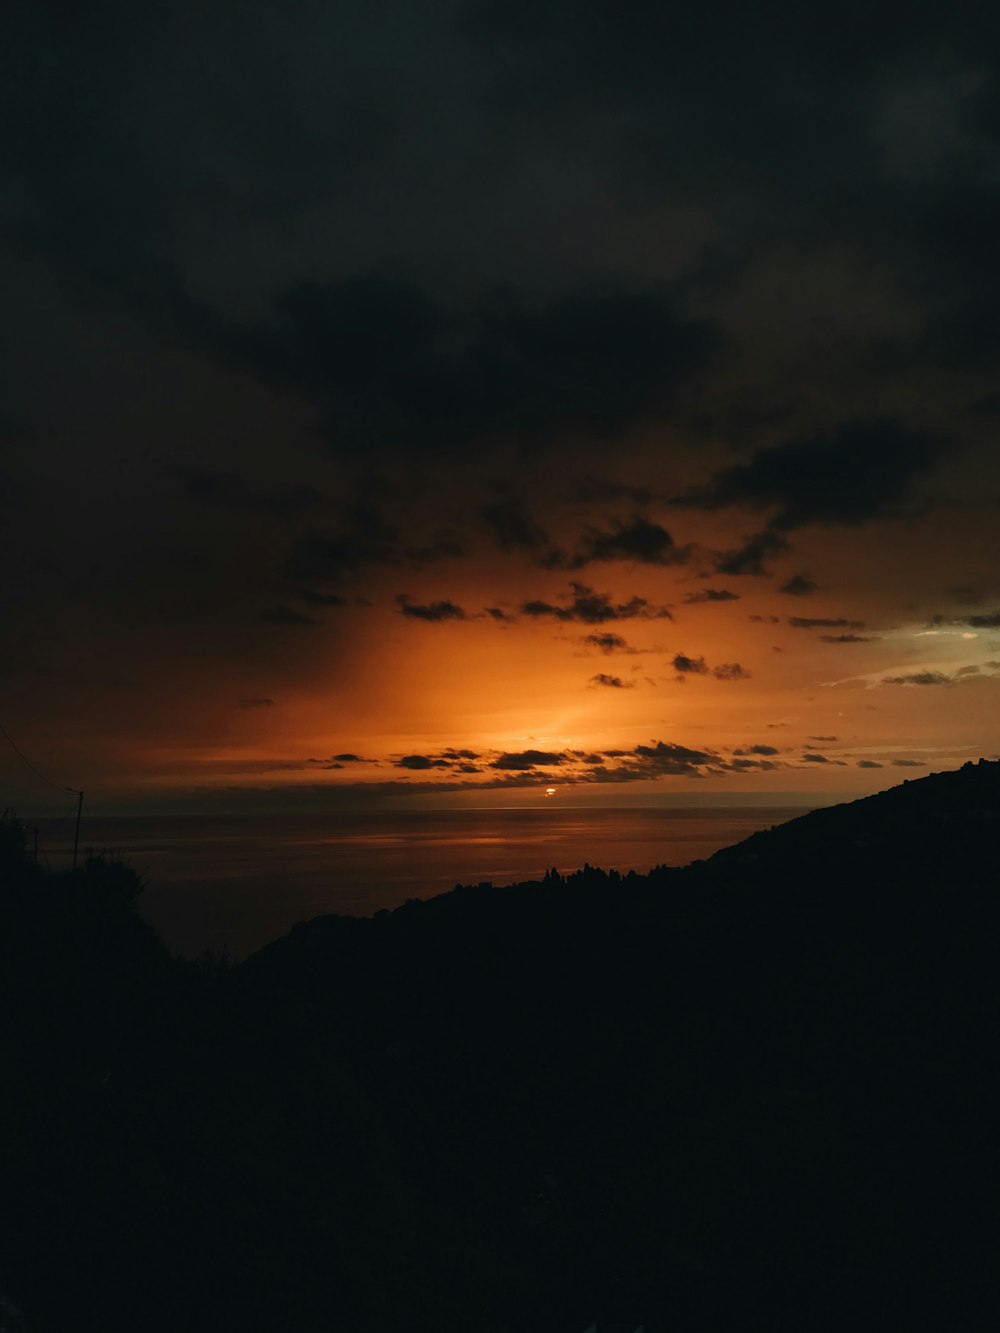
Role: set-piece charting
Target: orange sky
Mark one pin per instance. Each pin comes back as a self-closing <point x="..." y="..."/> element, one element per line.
<point x="351" y="392"/>
<point x="764" y="707"/>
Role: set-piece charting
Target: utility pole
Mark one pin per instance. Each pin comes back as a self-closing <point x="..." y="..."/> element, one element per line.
<point x="76" y="839"/>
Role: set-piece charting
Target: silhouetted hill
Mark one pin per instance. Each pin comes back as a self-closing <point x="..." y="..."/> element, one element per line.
<point x="944" y="822"/>
<point x="753" y="1093"/>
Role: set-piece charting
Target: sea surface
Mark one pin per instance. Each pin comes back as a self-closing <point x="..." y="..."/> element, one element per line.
<point x="236" y="883"/>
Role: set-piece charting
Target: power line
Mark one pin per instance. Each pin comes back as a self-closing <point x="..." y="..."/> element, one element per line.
<point x="70" y="791"/>
<point x="73" y="791"/>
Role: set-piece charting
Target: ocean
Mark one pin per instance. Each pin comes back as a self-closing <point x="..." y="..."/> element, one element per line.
<point x="236" y="883"/>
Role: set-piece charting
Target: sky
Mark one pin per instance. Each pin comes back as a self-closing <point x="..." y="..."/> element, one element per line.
<point x="460" y="401"/>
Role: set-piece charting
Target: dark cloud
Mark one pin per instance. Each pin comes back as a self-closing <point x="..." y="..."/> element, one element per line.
<point x="862" y="471"/>
<point x="342" y="760"/>
<point x="730" y="671"/>
<point x="497" y="614"/>
<point x="611" y="682"/>
<point x="433" y="611"/>
<point x="284" y="615"/>
<point x="798" y="586"/>
<point x="451" y="759"/>
<point x="387" y="363"/>
<point x="228" y="490"/>
<point x="419" y="762"/>
<point x="525" y="760"/>
<point x="446" y="548"/>
<point x="766" y="620"/>
<point x="711" y="595"/>
<point x="765" y="750"/>
<point x="991" y="621"/>
<point x="822" y="738"/>
<point x="749" y="765"/>
<point x="637" y="540"/>
<point x="607" y="643"/>
<point x="689" y="666"/>
<point x="598" y="490"/>
<point x="748" y="559"/>
<point x="964" y="595"/>
<point x="254" y="703"/>
<point x="848" y="638"/>
<point x="815" y="759"/>
<point x="322" y="598"/>
<point x="364" y="539"/>
<point x="664" y="757"/>
<point x="868" y="763"/>
<point x="908" y="763"/>
<point x="824" y="622"/>
<point x="595" y="608"/>
<point x="918" y="678"/>
<point x="512" y="526"/>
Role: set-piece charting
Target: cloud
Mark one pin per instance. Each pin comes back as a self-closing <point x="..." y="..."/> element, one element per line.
<point x="990" y="621"/>
<point x="689" y="666"/>
<point x="612" y="682"/>
<point x="765" y="750"/>
<point x="322" y="598"/>
<point x="815" y="759"/>
<point x="363" y="539"/>
<point x="512" y="527"/>
<point x="602" y="491"/>
<point x="255" y="703"/>
<point x="868" y="763"/>
<point x="341" y="760"/>
<point x="730" y="671"/>
<point x="420" y="762"/>
<point x="749" y="558"/>
<point x="638" y="541"/>
<point x="798" y="586"/>
<point x="228" y="490"/>
<point x="862" y="471"/>
<point x="446" y="548"/>
<point x="908" y="763"/>
<point x="848" y="638"/>
<point x="608" y="643"/>
<point x="500" y="616"/>
<point x="918" y="678"/>
<point x="284" y="615"/>
<point x="387" y="362"/>
<point x="433" y="611"/>
<point x="822" y="622"/>
<point x="822" y="738"/>
<point x="711" y="595"/>
<point x="594" y="608"/>
<point x="652" y="762"/>
<point x="450" y="758"/>
<point x="524" y="760"/>
<point x="664" y="757"/>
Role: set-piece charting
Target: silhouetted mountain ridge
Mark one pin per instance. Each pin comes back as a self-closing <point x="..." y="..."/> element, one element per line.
<point x="949" y="816"/>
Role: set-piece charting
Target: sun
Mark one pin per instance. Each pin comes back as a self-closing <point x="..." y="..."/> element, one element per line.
<point x="550" y="791"/>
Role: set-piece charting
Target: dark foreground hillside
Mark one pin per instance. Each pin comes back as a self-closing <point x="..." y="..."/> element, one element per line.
<point x="755" y="1093"/>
